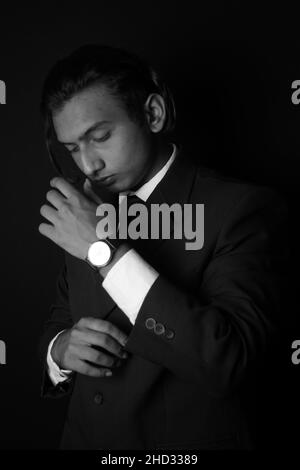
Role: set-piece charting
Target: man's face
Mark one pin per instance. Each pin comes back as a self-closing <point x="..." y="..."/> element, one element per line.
<point x="104" y="142"/>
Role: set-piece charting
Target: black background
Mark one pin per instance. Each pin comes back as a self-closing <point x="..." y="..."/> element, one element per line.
<point x="230" y="66"/>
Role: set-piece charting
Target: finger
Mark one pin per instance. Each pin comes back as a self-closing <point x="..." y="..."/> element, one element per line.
<point x="49" y="213"/>
<point x="63" y="186"/>
<point x="87" y="188"/>
<point x="48" y="231"/>
<point x="96" y="357"/>
<point x="56" y="198"/>
<point x="87" y="369"/>
<point x="104" y="326"/>
<point x="102" y="340"/>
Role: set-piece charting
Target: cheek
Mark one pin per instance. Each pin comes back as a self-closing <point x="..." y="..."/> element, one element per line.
<point x="135" y="165"/>
<point x="127" y="153"/>
<point x="126" y="159"/>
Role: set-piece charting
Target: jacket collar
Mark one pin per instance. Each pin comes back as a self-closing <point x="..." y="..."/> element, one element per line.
<point x="177" y="183"/>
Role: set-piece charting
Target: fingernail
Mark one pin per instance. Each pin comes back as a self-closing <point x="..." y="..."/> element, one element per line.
<point x="108" y="372"/>
<point x="124" y="354"/>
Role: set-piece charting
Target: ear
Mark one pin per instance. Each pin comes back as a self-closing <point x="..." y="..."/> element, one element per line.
<point x="155" y="112"/>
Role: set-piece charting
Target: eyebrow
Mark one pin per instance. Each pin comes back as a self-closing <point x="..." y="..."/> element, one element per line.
<point x="88" y="131"/>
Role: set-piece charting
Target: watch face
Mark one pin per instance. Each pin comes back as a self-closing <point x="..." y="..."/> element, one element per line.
<point x="99" y="253"/>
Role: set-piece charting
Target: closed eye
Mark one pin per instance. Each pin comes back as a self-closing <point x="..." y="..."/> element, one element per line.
<point x="101" y="139"/>
<point x="94" y="139"/>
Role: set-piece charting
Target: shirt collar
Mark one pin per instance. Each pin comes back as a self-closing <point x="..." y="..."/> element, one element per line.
<point x="146" y="189"/>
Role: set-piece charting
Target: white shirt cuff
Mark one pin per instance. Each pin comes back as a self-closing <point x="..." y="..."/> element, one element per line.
<point x="129" y="281"/>
<point x="55" y="373"/>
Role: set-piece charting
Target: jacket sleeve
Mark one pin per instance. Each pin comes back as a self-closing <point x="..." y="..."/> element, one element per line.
<point x="211" y="337"/>
<point x="59" y="319"/>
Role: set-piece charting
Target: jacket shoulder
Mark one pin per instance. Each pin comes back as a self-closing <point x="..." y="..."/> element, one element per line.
<point x="216" y="187"/>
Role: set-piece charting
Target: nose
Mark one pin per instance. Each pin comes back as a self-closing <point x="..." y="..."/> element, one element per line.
<point x="91" y="163"/>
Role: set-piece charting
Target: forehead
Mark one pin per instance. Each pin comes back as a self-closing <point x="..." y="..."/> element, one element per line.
<point x="85" y="109"/>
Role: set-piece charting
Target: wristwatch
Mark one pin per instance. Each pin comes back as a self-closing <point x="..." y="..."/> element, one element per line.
<point x="101" y="252"/>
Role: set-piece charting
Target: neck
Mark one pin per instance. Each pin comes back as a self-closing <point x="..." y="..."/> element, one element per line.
<point x="161" y="152"/>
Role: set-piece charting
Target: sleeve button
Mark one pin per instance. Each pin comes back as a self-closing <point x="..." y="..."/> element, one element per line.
<point x="98" y="398"/>
<point x="150" y="323"/>
<point x="170" y="334"/>
<point x="159" y="329"/>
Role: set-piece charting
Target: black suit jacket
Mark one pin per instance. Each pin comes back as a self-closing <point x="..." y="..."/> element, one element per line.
<point x="182" y="385"/>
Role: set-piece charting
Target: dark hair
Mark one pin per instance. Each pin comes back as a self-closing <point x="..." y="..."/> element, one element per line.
<point x="127" y="76"/>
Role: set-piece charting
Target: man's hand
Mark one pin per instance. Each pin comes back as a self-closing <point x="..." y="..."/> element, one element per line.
<point x="75" y="348"/>
<point x="72" y="216"/>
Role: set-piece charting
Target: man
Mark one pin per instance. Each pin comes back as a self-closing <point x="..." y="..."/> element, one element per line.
<point x="155" y="344"/>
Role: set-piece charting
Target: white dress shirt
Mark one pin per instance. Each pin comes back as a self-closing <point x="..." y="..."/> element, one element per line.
<point x="129" y="280"/>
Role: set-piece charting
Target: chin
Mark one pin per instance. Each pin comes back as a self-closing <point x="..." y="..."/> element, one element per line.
<point x="117" y="187"/>
<point x="122" y="186"/>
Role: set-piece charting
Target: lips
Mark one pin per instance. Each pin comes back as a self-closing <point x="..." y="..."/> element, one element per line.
<point x="104" y="180"/>
<point x="100" y="180"/>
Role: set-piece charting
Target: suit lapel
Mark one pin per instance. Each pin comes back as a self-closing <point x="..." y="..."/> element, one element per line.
<point x="175" y="187"/>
